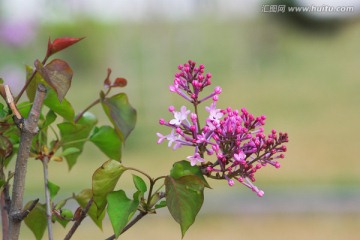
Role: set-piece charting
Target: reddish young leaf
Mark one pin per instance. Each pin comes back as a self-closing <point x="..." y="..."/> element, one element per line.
<point x="107" y="82"/>
<point x="119" y="82"/>
<point x="57" y="74"/>
<point x="59" y="44"/>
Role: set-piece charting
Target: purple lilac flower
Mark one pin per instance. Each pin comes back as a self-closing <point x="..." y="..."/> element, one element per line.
<point x="234" y="137"/>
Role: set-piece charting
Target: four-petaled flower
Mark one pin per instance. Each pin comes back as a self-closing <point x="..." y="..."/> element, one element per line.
<point x="195" y="159"/>
<point x="240" y="157"/>
<point x="179" y="117"/>
<point x="215" y="114"/>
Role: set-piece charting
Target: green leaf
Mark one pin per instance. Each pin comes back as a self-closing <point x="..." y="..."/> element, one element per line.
<point x="3" y="113"/>
<point x="53" y="188"/>
<point x="104" y="181"/>
<point x="106" y="139"/>
<point x="60" y="204"/>
<point x="32" y="87"/>
<point x="83" y="198"/>
<point x="160" y="204"/>
<point x="49" y="119"/>
<point x="70" y="151"/>
<point x="120" y="113"/>
<point x="57" y="74"/>
<point x="66" y="216"/>
<point x="2" y="182"/>
<point x="24" y="108"/>
<point x="63" y="108"/>
<point x="184" y="168"/>
<point x="184" y="198"/>
<point x="139" y="184"/>
<point x="73" y="134"/>
<point x="121" y="209"/>
<point x="36" y="220"/>
<point x="155" y="198"/>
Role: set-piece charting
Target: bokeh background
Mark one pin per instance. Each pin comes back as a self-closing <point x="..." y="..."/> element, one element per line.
<point x="301" y="70"/>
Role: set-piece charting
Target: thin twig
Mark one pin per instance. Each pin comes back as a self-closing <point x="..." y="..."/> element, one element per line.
<point x="79" y="220"/>
<point x="4" y="207"/>
<point x="12" y="105"/>
<point x="23" y="214"/>
<point x="97" y="101"/>
<point x="25" y="86"/>
<point x="29" y="80"/>
<point x="28" y="131"/>
<point x="86" y="109"/>
<point x="47" y="197"/>
<point x="132" y="223"/>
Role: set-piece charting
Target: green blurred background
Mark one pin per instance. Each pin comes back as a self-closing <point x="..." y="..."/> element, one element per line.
<point x="302" y="72"/>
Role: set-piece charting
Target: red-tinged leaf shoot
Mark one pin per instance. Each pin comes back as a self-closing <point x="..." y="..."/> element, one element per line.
<point x="119" y="82"/>
<point x="60" y="44"/>
<point x="107" y="82"/>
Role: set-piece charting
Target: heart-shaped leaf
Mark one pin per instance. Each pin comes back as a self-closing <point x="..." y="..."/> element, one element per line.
<point x="36" y="220"/>
<point x="75" y="135"/>
<point x="107" y="140"/>
<point x="64" y="108"/>
<point x="184" y="168"/>
<point x="120" y="209"/>
<point x="57" y="74"/>
<point x="121" y="114"/>
<point x="83" y="198"/>
<point x="184" y="198"/>
<point x="104" y="181"/>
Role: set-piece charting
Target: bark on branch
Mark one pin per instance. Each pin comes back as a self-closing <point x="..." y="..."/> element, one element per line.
<point x="28" y="130"/>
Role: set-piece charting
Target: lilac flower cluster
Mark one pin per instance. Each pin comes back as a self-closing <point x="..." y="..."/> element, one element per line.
<point x="235" y="138"/>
